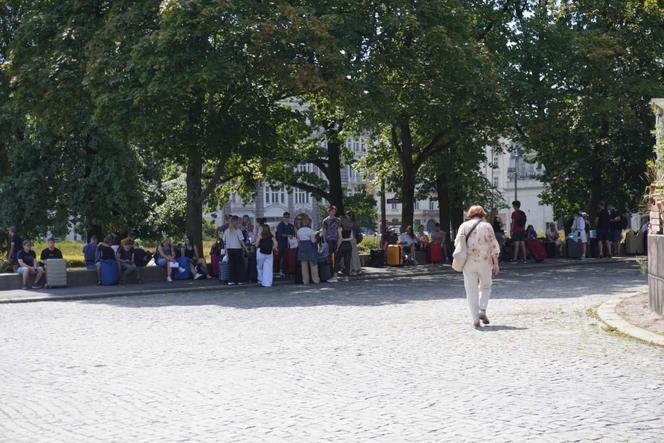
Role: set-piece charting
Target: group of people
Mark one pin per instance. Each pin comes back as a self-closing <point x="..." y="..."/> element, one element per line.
<point x="24" y="260"/>
<point x="413" y="242"/>
<point x="334" y="246"/>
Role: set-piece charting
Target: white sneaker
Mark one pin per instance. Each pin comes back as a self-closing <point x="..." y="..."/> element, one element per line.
<point x="168" y="279"/>
<point x="197" y="276"/>
<point x="230" y="283"/>
<point x="332" y="280"/>
<point x="181" y="270"/>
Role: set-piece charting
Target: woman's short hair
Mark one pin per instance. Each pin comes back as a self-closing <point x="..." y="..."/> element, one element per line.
<point x="476" y="211"/>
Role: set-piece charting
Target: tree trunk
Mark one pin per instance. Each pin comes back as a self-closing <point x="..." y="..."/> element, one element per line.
<point x="194" y="224"/>
<point x="443" y="191"/>
<point x="407" y="198"/>
<point x="334" y="175"/>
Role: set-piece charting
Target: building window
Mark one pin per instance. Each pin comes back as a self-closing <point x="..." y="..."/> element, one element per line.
<point x="301" y="197"/>
<point x="417" y="204"/>
<point x="432" y="205"/>
<point x="394" y="206"/>
<point x="275" y="196"/>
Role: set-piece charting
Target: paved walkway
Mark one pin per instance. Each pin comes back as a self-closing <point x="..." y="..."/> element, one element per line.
<point x="391" y="359"/>
<point x="86" y="292"/>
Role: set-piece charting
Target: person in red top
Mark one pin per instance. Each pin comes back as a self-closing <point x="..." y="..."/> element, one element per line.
<point x="519" y="220"/>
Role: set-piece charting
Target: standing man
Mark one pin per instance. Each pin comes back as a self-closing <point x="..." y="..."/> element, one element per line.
<point x="330" y="232"/>
<point x="519" y="220"/>
<point x="285" y="230"/>
<point x="616" y="227"/>
<point x="14" y="247"/>
<point x="603" y="230"/>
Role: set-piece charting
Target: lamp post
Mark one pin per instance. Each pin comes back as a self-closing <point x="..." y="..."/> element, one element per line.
<point x="516" y="173"/>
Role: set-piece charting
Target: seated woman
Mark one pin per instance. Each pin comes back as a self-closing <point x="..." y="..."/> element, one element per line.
<point x="166" y="257"/>
<point x="105" y="252"/>
<point x="531" y="233"/>
<point x="422" y="239"/>
<point x="408" y="241"/>
<point x="197" y="264"/>
<point x="27" y="266"/>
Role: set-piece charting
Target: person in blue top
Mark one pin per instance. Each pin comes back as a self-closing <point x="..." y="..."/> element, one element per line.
<point x="285" y="231"/>
<point x="90" y="253"/>
<point x="28" y="265"/>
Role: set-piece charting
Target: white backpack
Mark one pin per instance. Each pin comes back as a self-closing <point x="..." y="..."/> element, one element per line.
<point x="460" y="249"/>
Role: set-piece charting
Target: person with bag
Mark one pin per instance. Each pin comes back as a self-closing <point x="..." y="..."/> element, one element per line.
<point x="476" y="255"/>
<point x="307" y="252"/>
<point x="285" y="231"/>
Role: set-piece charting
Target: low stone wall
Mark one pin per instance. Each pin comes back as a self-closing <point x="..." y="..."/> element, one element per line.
<point x="83" y="277"/>
<point x="656" y="272"/>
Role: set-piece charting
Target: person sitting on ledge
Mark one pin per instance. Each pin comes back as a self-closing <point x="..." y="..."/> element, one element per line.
<point x="51" y="251"/>
<point x="90" y="253"/>
<point x="166" y="257"/>
<point x="126" y="260"/>
<point x="105" y="252"/>
<point x="27" y="266"/>
<point x="408" y="241"/>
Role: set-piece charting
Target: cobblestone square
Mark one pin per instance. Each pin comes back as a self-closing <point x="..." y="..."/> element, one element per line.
<point x="386" y="360"/>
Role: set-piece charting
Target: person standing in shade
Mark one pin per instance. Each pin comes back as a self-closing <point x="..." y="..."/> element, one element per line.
<point x="482" y="260"/>
<point x="603" y="231"/>
<point x="519" y="220"/>
<point x="307" y="252"/>
<point x="27" y="266"/>
<point x="330" y="233"/>
<point x="355" y="262"/>
<point x="580" y="234"/>
<point x="438" y="239"/>
<point x="344" y="249"/>
<point x="616" y="228"/>
<point x="50" y="251"/>
<point x="285" y="231"/>
<point x="234" y="241"/>
<point x="14" y="247"/>
<point x="267" y="244"/>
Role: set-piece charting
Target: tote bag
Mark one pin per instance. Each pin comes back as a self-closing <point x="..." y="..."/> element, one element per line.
<point x="460" y="249"/>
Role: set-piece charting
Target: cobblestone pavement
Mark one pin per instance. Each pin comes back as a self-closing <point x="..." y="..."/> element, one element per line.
<point x="390" y="360"/>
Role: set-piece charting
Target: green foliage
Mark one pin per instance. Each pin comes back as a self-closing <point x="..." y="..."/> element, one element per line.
<point x="363" y="204"/>
<point x="581" y="76"/>
<point x="368" y="243"/>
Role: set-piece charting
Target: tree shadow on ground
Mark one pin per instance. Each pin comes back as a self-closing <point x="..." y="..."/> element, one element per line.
<point x="547" y="283"/>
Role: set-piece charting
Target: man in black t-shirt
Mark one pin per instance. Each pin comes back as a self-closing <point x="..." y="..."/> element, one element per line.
<point x="125" y="257"/>
<point x="51" y="251"/>
<point x="27" y="261"/>
<point x="603" y="230"/>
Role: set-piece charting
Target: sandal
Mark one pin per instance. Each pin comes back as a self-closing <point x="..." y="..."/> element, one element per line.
<point x="484" y="318"/>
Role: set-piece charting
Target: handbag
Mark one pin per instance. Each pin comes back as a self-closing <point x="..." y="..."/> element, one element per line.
<point x="323" y="252"/>
<point x="460" y="249"/>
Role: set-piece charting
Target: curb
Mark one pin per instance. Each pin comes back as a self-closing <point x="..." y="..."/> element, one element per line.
<point x="444" y="270"/>
<point x="608" y="315"/>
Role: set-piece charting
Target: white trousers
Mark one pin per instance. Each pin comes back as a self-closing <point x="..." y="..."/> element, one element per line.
<point x="264" y="268"/>
<point x="477" y="279"/>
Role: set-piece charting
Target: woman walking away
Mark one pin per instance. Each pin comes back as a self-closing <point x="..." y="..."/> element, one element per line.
<point x="307" y="252"/>
<point x="344" y="249"/>
<point x="234" y="241"/>
<point x="355" y="262"/>
<point x="267" y="244"/>
<point x="482" y="260"/>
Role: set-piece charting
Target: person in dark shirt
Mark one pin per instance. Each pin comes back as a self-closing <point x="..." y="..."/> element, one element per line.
<point x="125" y="257"/>
<point x="105" y="252"/>
<point x="615" y="223"/>
<point x="285" y="230"/>
<point x="519" y="219"/>
<point x="15" y="246"/>
<point x="27" y="261"/>
<point x="197" y="264"/>
<point x="51" y="251"/>
<point x="603" y="230"/>
<point x="90" y="253"/>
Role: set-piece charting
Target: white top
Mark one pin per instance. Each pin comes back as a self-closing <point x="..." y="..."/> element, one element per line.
<point x="232" y="238"/>
<point x="305" y="233"/>
<point x="482" y="244"/>
<point x="579" y="226"/>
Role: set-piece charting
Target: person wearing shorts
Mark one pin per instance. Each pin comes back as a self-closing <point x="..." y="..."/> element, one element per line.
<point x="28" y="265"/>
<point x="603" y="231"/>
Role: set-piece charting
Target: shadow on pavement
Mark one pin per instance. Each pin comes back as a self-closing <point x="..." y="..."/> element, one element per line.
<point x="493" y="328"/>
<point x="512" y="284"/>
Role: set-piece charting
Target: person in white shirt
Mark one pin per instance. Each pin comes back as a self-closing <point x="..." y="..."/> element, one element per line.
<point x="409" y="241"/>
<point x="307" y="251"/>
<point x="482" y="260"/>
<point x="234" y="241"/>
<point x="579" y="230"/>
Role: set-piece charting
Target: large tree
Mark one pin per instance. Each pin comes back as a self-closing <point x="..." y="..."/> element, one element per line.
<point x="581" y="76"/>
